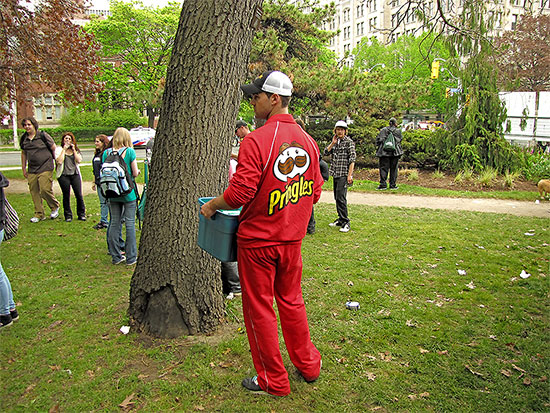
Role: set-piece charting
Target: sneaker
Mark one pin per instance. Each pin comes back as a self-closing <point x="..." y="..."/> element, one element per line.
<point x="345" y="228"/>
<point x="251" y="383"/>
<point x="82" y="218"/>
<point x="6" y="320"/>
<point x="68" y="219"/>
<point x="119" y="261"/>
<point x="393" y="188"/>
<point x="14" y="314"/>
<point x="34" y="220"/>
<point x="381" y="188"/>
<point x="131" y="262"/>
<point x="230" y="296"/>
<point x="336" y="223"/>
<point x="55" y="213"/>
<point x="100" y="225"/>
<point x="311" y="231"/>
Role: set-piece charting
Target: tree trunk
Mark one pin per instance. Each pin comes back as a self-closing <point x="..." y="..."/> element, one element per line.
<point x="176" y="287"/>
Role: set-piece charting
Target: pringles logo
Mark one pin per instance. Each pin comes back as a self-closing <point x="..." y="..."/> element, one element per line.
<point x="293" y="161"/>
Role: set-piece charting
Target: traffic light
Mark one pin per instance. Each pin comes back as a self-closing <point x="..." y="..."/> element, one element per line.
<point x="448" y="92"/>
<point x="435" y="69"/>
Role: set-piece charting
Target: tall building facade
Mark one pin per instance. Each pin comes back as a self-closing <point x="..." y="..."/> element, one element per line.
<point x="387" y="20"/>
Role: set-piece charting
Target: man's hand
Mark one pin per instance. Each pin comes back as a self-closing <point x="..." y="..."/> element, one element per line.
<point x="208" y="209"/>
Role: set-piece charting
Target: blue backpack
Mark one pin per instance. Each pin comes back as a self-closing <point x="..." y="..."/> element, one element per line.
<point x="114" y="178"/>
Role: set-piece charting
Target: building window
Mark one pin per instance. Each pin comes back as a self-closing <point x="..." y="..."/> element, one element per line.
<point x="47" y="109"/>
<point x="347" y="32"/>
<point x="372" y="24"/>
<point x="360" y="10"/>
<point x="346" y="48"/>
<point x="514" y="21"/>
<point x="346" y="15"/>
<point x="360" y="29"/>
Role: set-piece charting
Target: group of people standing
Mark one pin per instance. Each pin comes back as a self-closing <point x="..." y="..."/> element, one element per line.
<point x="40" y="157"/>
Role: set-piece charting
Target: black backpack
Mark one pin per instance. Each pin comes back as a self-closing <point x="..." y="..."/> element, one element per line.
<point x="114" y="178"/>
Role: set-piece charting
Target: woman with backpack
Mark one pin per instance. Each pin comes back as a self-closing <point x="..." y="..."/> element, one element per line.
<point x="101" y="144"/>
<point x="122" y="207"/>
<point x="8" y="312"/>
<point x="37" y="149"/>
<point x="68" y="159"/>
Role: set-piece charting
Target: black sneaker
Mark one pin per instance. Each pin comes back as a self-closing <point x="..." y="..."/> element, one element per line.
<point x="251" y="384"/>
<point x="82" y="218"/>
<point x="68" y="219"/>
<point x="336" y="223"/>
<point x="14" y="314"/>
<point x="393" y="188"/>
<point x="6" y="320"/>
<point x="381" y="188"/>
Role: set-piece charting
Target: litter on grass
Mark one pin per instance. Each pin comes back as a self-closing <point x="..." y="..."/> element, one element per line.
<point x="125" y="329"/>
<point x="524" y="274"/>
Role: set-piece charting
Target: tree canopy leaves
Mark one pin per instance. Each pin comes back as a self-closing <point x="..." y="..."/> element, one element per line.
<point x="40" y="44"/>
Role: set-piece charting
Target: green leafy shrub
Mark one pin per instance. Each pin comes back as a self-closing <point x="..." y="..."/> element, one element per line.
<point x="536" y="166"/>
<point x="416" y="148"/>
<point x="114" y="118"/>
<point x="487" y="176"/>
<point x="82" y="134"/>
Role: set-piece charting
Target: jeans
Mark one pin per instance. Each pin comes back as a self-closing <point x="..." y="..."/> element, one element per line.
<point x="340" y="196"/>
<point x="104" y="208"/>
<point x="74" y="181"/>
<point x="6" y="295"/>
<point x="119" y="211"/>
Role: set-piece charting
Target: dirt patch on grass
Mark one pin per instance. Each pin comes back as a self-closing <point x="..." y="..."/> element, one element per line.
<point x="429" y="179"/>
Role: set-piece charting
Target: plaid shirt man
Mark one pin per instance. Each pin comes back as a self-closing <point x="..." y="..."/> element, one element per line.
<point x="343" y="154"/>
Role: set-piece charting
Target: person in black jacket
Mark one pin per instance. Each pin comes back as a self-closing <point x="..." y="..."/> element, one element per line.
<point x="8" y="312"/>
<point x="101" y="143"/>
<point x="388" y="159"/>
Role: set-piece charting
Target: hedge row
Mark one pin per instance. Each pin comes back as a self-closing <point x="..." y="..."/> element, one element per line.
<point x="81" y="134"/>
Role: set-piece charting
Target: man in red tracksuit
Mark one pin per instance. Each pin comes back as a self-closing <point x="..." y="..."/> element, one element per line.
<point x="277" y="182"/>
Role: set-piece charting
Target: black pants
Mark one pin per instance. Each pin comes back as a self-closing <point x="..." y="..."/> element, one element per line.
<point x="388" y="164"/>
<point x="74" y="181"/>
<point x="311" y="223"/>
<point x="230" y="277"/>
<point x="340" y="196"/>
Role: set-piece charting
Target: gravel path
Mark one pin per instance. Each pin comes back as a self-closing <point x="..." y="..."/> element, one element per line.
<point x="519" y="208"/>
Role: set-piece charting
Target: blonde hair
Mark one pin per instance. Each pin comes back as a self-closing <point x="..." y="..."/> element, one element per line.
<point x="121" y="139"/>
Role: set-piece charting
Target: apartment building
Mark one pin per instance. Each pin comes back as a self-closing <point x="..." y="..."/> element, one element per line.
<point x="387" y="20"/>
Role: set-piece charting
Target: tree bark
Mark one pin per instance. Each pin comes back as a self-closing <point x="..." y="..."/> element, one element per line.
<point x="176" y="287"/>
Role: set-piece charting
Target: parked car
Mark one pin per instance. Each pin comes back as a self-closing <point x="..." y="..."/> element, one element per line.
<point x="140" y="136"/>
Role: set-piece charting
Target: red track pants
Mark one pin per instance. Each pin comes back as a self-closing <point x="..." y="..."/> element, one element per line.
<point x="268" y="272"/>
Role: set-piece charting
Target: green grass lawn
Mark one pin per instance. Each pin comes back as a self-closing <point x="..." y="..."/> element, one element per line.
<point x="425" y="338"/>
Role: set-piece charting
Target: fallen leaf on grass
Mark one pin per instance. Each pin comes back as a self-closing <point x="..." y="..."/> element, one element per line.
<point x="527" y="381"/>
<point x="416" y="396"/>
<point x="54" y="408"/>
<point x="386" y="356"/>
<point x="506" y="373"/>
<point x="518" y="369"/>
<point x="127" y="404"/>
<point x="423" y="350"/>
<point x="370" y="376"/>
<point x="543" y="379"/>
<point x="443" y="352"/>
<point x="199" y="408"/>
<point x="475" y="373"/>
<point x="55" y="368"/>
<point x="55" y="324"/>
<point x="461" y="272"/>
<point x="471" y="285"/>
<point x="411" y="323"/>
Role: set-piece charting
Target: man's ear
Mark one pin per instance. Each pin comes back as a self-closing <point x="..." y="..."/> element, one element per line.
<point x="274" y="98"/>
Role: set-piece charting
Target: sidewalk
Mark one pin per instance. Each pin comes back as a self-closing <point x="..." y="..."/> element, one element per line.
<point x="499" y="206"/>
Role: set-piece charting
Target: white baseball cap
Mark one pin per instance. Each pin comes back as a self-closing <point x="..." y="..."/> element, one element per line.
<point x="271" y="81"/>
<point x="341" y="124"/>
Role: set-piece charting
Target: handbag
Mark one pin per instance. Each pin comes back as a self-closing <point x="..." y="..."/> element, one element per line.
<point x="389" y="143"/>
<point x="12" y="221"/>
